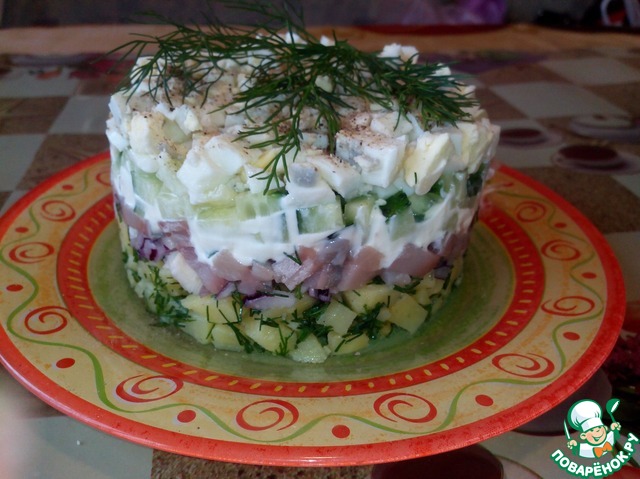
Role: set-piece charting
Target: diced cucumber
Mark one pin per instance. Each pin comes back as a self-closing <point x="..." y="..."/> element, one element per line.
<point x="252" y="205"/>
<point x="420" y="204"/>
<point x="452" y="221"/>
<point x="145" y="185"/>
<point x="273" y="229"/>
<point x="316" y="219"/>
<point x="401" y="224"/>
<point x="173" y="206"/>
<point x="443" y="185"/>
<point x="214" y="215"/>
<point x="152" y="190"/>
<point x="363" y="204"/>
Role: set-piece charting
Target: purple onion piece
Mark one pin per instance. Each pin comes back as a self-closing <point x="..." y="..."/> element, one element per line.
<point x="442" y="272"/>
<point x="152" y="250"/>
<point x="321" y="294"/>
<point x="270" y="301"/>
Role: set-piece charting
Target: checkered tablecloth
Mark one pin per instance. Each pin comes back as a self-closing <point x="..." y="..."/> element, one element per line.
<point x="52" y="115"/>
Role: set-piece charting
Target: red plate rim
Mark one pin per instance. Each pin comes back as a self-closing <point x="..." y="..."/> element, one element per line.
<point x="342" y="455"/>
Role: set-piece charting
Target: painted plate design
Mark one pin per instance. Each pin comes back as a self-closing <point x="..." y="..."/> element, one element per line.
<point x="539" y="309"/>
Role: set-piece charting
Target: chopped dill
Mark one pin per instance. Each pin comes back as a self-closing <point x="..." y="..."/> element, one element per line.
<point x="367" y="323"/>
<point x="294" y="257"/>
<point x="475" y="181"/>
<point x="408" y="288"/>
<point x="308" y="323"/>
<point x="394" y="204"/>
<point x="245" y="341"/>
<point x="168" y="310"/>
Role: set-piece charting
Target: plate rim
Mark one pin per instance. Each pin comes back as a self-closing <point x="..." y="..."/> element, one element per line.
<point x="339" y="455"/>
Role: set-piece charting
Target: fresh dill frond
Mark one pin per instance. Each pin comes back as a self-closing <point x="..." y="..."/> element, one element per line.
<point x="168" y="309"/>
<point x="396" y="203"/>
<point x="367" y="323"/>
<point x="409" y="288"/>
<point x="292" y="74"/>
<point x="308" y="323"/>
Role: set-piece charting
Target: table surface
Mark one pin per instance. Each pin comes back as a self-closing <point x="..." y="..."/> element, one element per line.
<point x="52" y="111"/>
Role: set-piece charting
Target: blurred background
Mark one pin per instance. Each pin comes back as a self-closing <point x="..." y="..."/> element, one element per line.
<point x="560" y="13"/>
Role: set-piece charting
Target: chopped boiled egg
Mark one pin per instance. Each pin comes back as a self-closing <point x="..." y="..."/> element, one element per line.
<point x="424" y="165"/>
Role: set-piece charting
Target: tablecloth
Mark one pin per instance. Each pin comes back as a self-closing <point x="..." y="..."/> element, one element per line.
<point x="551" y="91"/>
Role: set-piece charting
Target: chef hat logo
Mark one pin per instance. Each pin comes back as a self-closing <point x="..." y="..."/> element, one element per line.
<point x="585" y="415"/>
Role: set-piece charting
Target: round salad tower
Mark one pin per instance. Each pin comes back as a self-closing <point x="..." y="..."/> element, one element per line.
<point x="277" y="192"/>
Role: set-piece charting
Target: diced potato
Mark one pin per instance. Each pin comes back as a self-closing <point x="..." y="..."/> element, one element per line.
<point x="345" y="345"/>
<point x="210" y="309"/>
<point x="338" y="317"/>
<point x="407" y="313"/>
<point x="279" y="340"/>
<point x="199" y="328"/>
<point x="429" y="286"/>
<point x="368" y="297"/>
<point x="423" y="296"/>
<point x="428" y="282"/>
<point x="304" y="303"/>
<point x="310" y="350"/>
<point x="456" y="272"/>
<point x="224" y="337"/>
<point x="384" y="314"/>
<point x="385" y="330"/>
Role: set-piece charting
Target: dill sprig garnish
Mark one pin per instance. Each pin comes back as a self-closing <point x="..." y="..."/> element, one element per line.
<point x="293" y="73"/>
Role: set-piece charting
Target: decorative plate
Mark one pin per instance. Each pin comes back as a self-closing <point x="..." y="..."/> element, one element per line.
<point x="538" y="311"/>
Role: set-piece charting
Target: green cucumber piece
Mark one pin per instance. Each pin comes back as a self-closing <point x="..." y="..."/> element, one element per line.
<point x="401" y="224"/>
<point x="353" y="206"/>
<point x="145" y="185"/>
<point x="252" y="205"/>
<point x="316" y="219"/>
<point x="275" y="231"/>
<point x="420" y="204"/>
<point x="213" y="215"/>
<point x="173" y="206"/>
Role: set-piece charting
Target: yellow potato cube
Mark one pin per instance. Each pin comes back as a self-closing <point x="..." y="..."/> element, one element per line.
<point x="344" y="345"/>
<point x="368" y="297"/>
<point x="338" y="317"/>
<point x="224" y="337"/>
<point x="309" y="350"/>
<point x="279" y="340"/>
<point x="407" y="313"/>
<point x="210" y="309"/>
<point x="200" y="329"/>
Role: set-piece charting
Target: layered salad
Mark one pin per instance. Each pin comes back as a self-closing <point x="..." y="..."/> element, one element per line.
<point x="283" y="194"/>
